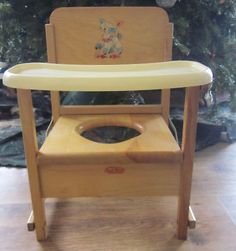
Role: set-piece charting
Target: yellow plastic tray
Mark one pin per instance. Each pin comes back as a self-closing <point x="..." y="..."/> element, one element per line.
<point x="149" y="76"/>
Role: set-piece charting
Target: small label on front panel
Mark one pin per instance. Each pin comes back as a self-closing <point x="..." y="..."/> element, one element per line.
<point x="114" y="170"/>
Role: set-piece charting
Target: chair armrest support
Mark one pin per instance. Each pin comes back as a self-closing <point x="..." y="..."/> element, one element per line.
<point x="27" y="120"/>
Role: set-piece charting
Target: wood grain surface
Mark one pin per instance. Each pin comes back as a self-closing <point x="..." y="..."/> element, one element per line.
<point x="72" y="35"/>
<point x="140" y="224"/>
<point x="65" y="145"/>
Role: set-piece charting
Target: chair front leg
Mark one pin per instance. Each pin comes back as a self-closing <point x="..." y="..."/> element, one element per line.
<point x="31" y="149"/>
<point x="188" y="149"/>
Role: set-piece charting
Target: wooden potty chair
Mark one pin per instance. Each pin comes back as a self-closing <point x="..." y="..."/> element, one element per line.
<point x="109" y="49"/>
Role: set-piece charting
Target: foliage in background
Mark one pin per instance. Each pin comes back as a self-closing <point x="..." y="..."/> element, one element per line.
<point x="22" y="36"/>
<point x="205" y="30"/>
<point x="21" y="30"/>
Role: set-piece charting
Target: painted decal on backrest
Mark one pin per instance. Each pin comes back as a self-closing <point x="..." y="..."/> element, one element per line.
<point x="110" y="45"/>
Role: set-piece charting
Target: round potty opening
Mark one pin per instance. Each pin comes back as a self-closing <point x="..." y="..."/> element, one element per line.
<point x="110" y="134"/>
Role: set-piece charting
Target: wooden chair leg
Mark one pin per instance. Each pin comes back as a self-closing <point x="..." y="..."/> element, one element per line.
<point x="191" y="219"/>
<point x="40" y="222"/>
<point x="40" y="226"/>
<point x="30" y="222"/>
<point x="31" y="149"/>
<point x="182" y="221"/>
<point x="188" y="148"/>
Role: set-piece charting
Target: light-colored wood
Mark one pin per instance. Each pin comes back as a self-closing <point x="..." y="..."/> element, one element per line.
<point x="110" y="109"/>
<point x="165" y="104"/>
<point x="55" y="104"/>
<point x="139" y="223"/>
<point x="49" y="128"/>
<point x="188" y="148"/>
<point x="149" y="164"/>
<point x="31" y="149"/>
<point x="50" y="40"/>
<point x="52" y="58"/>
<point x="30" y="222"/>
<point x="165" y="94"/>
<point x="191" y="219"/>
<point x="169" y="42"/>
<point x="65" y="145"/>
<point x="64" y="181"/>
<point x="141" y="40"/>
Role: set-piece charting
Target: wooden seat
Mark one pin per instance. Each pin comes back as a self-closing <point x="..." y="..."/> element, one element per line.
<point x="65" y="144"/>
<point x="112" y="49"/>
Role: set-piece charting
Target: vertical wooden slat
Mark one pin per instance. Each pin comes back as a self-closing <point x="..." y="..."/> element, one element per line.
<point x="169" y="41"/>
<point x="165" y="104"/>
<point x="165" y="94"/>
<point x="188" y="148"/>
<point x="55" y="104"/>
<point x="51" y="53"/>
<point x="31" y="149"/>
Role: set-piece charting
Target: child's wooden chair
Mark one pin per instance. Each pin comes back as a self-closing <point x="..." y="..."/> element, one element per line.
<point x="118" y="50"/>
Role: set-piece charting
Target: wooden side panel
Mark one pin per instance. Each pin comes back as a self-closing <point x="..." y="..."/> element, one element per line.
<point x="52" y="58"/>
<point x="109" y="180"/>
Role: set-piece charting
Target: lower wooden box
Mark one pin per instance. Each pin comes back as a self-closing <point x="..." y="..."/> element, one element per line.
<point x="64" y="181"/>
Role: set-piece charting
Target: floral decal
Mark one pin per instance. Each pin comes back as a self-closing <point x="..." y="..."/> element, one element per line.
<point x="110" y="45"/>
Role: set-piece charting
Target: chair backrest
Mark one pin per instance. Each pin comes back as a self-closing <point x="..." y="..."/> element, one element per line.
<point x="109" y="35"/>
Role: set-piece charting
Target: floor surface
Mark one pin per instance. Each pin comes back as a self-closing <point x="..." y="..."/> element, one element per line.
<point x="132" y="224"/>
